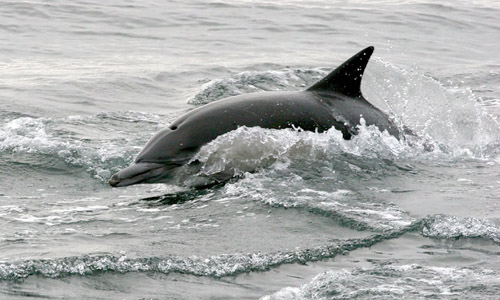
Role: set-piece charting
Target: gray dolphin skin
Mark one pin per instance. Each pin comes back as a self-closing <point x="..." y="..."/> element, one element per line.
<point x="334" y="101"/>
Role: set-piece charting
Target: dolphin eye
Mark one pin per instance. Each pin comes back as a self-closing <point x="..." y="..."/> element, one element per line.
<point x="173" y="127"/>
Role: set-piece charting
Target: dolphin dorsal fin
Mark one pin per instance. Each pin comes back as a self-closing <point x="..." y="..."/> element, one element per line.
<point x="346" y="79"/>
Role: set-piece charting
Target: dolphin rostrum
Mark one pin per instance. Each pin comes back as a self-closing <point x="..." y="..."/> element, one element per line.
<point x="334" y="101"/>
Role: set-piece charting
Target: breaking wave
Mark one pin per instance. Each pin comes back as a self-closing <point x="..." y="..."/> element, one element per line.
<point x="256" y="81"/>
<point x="215" y="266"/>
<point x="96" y="143"/>
<point x="397" y="282"/>
<point x="451" y="227"/>
<point x="233" y="264"/>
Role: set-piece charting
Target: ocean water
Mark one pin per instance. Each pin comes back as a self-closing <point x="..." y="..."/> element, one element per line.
<point x="84" y="85"/>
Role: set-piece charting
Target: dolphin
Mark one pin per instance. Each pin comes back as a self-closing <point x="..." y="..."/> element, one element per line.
<point x="334" y="101"/>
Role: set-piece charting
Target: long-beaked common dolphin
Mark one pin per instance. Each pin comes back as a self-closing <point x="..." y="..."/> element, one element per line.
<point x="334" y="101"/>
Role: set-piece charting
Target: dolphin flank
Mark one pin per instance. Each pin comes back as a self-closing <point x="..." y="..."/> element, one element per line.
<point x="334" y="101"/>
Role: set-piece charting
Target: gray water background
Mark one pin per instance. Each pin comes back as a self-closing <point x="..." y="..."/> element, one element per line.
<point x="84" y="84"/>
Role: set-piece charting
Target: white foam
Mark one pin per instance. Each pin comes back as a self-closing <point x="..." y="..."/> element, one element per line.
<point x="394" y="282"/>
<point x="443" y="226"/>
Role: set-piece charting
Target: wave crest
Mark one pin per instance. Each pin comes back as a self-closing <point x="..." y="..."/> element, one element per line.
<point x="396" y="282"/>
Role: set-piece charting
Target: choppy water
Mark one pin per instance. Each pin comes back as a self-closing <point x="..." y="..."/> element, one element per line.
<point x="84" y="84"/>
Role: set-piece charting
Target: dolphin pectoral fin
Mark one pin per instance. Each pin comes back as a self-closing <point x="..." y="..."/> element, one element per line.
<point x="346" y="79"/>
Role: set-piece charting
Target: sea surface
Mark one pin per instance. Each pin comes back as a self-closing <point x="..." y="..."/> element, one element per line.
<point x="85" y="84"/>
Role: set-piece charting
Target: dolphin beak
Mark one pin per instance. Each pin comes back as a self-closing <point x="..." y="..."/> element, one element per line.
<point x="114" y="181"/>
<point x="138" y="173"/>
